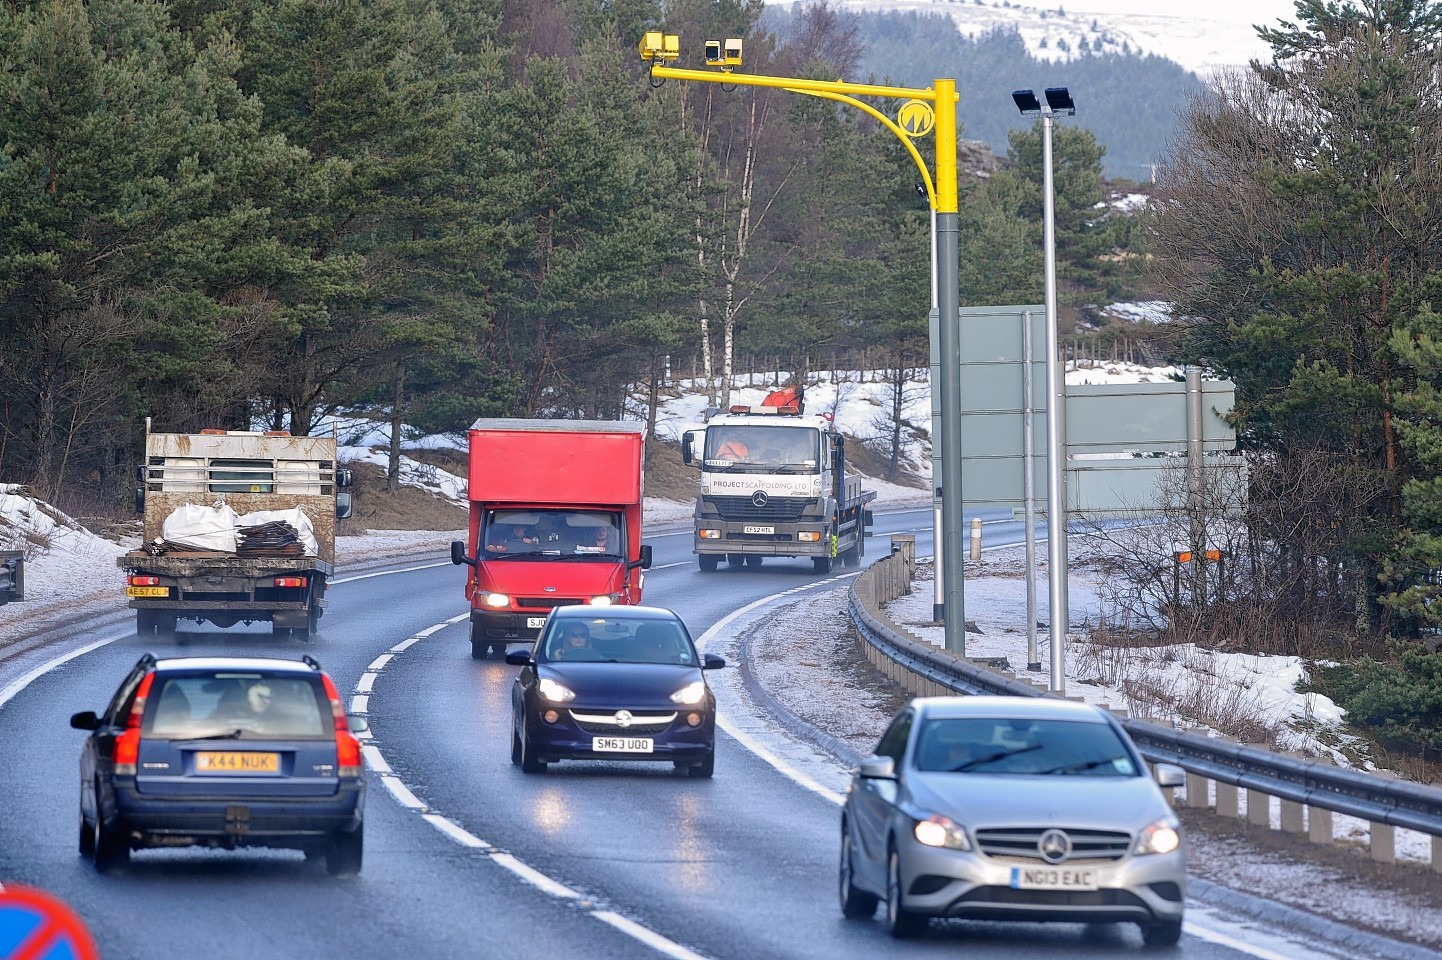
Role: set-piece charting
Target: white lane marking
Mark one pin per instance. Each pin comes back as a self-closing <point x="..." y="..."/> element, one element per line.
<point x="401" y="792"/>
<point x="458" y="834"/>
<point x="360" y="704"/>
<point x="387" y="573"/>
<point x="668" y="566"/>
<point x="745" y="739"/>
<point x="534" y="877"/>
<point x="20" y="684"/>
<point x="646" y="936"/>
<point x="1212" y="935"/>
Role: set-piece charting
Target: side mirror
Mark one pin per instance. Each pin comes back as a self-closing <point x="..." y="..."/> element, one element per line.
<point x="85" y="721"/>
<point x="519" y="658"/>
<point x="357" y="725"/>
<point x="877" y="768"/>
<point x="141" y="473"/>
<point x="1170" y="775"/>
<point x="867" y="519"/>
<point x="712" y="661"/>
<point x="343" y="506"/>
<point x="458" y="552"/>
<point x="645" y="562"/>
<point x="686" y="448"/>
<point x="344" y="477"/>
<point x="139" y="501"/>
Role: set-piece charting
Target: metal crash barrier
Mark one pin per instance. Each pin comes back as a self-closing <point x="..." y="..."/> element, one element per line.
<point x="1309" y="790"/>
<point x="12" y="575"/>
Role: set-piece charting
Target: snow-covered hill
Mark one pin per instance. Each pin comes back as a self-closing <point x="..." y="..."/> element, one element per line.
<point x="1201" y="37"/>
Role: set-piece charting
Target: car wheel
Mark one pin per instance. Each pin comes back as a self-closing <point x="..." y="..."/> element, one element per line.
<point x="499" y="649"/>
<point x="343" y="859"/>
<point x="515" y="746"/>
<point x="479" y="650"/>
<point x="1164" y="933"/>
<point x="900" y="922"/>
<point x="736" y="559"/>
<point x="706" y="768"/>
<point x="854" y="902"/>
<point x="708" y="562"/>
<point x="165" y="626"/>
<point x="529" y="763"/>
<point x="111" y="847"/>
<point x="87" y="837"/>
<point x="821" y="564"/>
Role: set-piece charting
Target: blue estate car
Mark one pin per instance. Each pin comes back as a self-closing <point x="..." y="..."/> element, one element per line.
<point x="614" y="683"/>
<point x="222" y="752"/>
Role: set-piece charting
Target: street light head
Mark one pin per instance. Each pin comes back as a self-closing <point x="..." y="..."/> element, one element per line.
<point x="1026" y="101"/>
<point x="1060" y="101"/>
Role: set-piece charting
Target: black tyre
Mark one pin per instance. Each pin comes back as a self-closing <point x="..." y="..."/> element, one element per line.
<point x="499" y="649"/>
<point x="145" y="623"/>
<point x="735" y="559"/>
<point x="515" y="746"/>
<point x="1164" y="933"/>
<point x="346" y="852"/>
<point x="850" y="557"/>
<point x="165" y="625"/>
<point x="529" y="763"/>
<point x="708" y="562"/>
<point x="854" y="902"/>
<point x="706" y="769"/>
<point x="111" y="848"/>
<point x="87" y="837"/>
<point x="901" y="923"/>
<point x="753" y="559"/>
<point x="480" y="646"/>
<point x="821" y="564"/>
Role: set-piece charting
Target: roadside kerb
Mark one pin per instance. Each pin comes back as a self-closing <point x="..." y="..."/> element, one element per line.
<point x="1316" y="786"/>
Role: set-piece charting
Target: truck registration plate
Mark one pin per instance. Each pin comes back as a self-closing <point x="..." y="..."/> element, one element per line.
<point x="535" y="623"/>
<point x="147" y="591"/>
<point x="753" y="528"/>
<point x="622" y="744"/>
<point x="1053" y="878"/>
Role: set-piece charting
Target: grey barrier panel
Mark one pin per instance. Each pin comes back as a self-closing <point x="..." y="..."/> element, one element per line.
<point x="1145" y="417"/>
<point x="12" y="575"/>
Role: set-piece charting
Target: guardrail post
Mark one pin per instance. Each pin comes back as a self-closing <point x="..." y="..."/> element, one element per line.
<point x="1437" y="854"/>
<point x="1199" y="790"/>
<point x="1293" y="817"/>
<point x="1319" y="825"/>
<point x="905" y="544"/>
<point x="1383" y="842"/>
<point x="1259" y="808"/>
<point x="1228" y="797"/>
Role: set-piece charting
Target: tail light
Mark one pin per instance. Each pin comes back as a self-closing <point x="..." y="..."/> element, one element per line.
<point x="127" y="745"/>
<point x="290" y="581"/>
<point x="347" y="747"/>
<point x="144" y="581"/>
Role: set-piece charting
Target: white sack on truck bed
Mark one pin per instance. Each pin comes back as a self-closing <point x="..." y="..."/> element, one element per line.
<point x="197" y="527"/>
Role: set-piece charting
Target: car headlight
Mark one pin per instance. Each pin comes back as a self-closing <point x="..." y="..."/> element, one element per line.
<point x="1163" y="836"/>
<point x="693" y="692"/>
<point x="497" y="600"/>
<point x="604" y="600"/>
<point x="939" y="831"/>
<point x="553" y="691"/>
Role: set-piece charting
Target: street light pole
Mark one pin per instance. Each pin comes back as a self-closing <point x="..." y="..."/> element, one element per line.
<point x="1058" y="101"/>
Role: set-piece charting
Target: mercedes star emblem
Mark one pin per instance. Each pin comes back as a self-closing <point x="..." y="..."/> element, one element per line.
<point x="1054" y="846"/>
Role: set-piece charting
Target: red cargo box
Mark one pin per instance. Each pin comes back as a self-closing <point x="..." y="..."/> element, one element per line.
<point x="556" y="461"/>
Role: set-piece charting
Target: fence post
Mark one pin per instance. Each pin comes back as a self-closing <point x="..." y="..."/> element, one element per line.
<point x="905" y="544"/>
<point x="1319" y="825"/>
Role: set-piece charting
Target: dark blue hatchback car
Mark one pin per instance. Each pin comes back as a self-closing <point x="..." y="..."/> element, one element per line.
<point x="614" y="683"/>
<point x="222" y="752"/>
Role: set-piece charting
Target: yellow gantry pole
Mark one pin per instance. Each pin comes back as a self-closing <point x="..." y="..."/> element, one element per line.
<point x="942" y="192"/>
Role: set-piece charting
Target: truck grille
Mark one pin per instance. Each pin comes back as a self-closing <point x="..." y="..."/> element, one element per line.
<point x="778" y="509"/>
<point x="547" y="602"/>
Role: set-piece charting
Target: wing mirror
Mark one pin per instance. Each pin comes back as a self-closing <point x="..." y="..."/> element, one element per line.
<point x="712" y="661"/>
<point x="85" y="721"/>
<point x="520" y="658"/>
<point x="877" y="768"/>
<point x="458" y="552"/>
<point x="1170" y="775"/>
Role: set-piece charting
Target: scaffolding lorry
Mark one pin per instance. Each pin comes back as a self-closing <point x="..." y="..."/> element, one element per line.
<point x="774" y="484"/>
<point x="555" y="520"/>
<point x="239" y="527"/>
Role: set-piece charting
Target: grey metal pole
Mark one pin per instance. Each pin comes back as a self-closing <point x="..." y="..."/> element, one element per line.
<point x="938" y="555"/>
<point x="948" y="300"/>
<point x="1196" y="538"/>
<point x="1028" y="459"/>
<point x="1055" y="452"/>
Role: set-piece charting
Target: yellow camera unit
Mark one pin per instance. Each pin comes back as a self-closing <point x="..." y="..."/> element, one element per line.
<point x="658" y="47"/>
<point x="723" y="53"/>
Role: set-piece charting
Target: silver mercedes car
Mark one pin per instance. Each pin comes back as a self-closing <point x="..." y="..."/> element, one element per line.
<point x="1011" y="808"/>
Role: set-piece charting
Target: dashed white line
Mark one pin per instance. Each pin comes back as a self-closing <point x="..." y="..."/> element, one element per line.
<point x="360" y="704"/>
<point x="376" y="761"/>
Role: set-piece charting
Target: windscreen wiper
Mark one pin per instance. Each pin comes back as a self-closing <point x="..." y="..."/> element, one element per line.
<point x="993" y="757"/>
